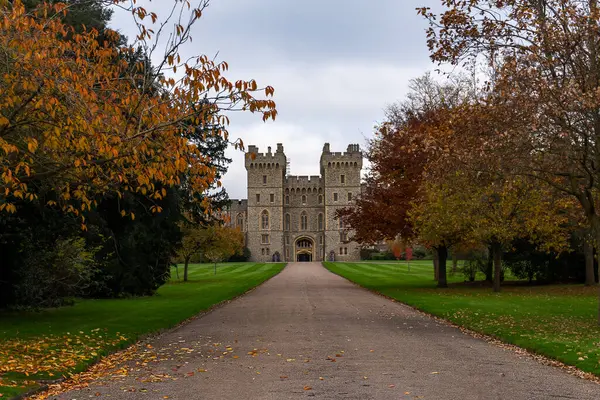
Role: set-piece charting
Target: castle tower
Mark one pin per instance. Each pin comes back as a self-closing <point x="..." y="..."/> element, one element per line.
<point x="264" y="226"/>
<point x="340" y="173"/>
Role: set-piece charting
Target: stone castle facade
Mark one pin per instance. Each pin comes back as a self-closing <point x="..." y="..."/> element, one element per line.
<point x="292" y="218"/>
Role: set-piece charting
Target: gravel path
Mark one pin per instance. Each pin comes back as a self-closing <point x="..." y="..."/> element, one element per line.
<point x="308" y="333"/>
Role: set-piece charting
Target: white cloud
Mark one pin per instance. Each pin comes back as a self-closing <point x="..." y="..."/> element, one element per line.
<point x="334" y="67"/>
<point x="335" y="103"/>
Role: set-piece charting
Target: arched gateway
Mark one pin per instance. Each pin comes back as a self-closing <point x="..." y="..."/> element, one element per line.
<point x="304" y="249"/>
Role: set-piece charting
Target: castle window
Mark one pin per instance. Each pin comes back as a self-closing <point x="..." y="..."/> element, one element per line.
<point x="287" y="199"/>
<point x="349" y="196"/>
<point x="320" y="222"/>
<point x="263" y="251"/>
<point x="265" y="219"/>
<point x="268" y="251"/>
<point x="341" y="251"/>
<point x="320" y="199"/>
<point x="341" y="223"/>
<point x="240" y="221"/>
<point x="335" y="197"/>
<point x="303" y="221"/>
<point x="303" y="199"/>
<point x="272" y="198"/>
<point x="264" y="179"/>
<point x="320" y="240"/>
<point x="343" y="236"/>
<point x="345" y="250"/>
<point x="287" y="222"/>
<point x="258" y="197"/>
<point x="287" y="240"/>
<point x="265" y="239"/>
<point x="342" y="179"/>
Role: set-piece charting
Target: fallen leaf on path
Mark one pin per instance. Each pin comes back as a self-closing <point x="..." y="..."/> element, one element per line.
<point x="392" y="386"/>
<point x="307" y="388"/>
<point x="434" y="373"/>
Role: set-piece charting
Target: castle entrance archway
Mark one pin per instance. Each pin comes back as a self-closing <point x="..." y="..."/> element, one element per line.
<point x="304" y="249"/>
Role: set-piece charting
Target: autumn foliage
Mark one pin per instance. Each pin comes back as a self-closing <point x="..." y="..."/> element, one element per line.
<point x="77" y="115"/>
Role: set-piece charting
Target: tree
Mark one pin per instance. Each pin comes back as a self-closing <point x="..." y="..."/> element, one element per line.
<point x="71" y="117"/>
<point x="546" y="76"/>
<point x="193" y="240"/>
<point x="91" y="130"/>
<point x="442" y="219"/>
<point x="222" y="243"/>
<point x="214" y="243"/>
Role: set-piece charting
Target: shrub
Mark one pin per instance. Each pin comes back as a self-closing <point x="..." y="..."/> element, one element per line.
<point x="244" y="257"/>
<point x="52" y="275"/>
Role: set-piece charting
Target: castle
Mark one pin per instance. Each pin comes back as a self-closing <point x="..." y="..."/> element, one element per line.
<point x="292" y="218"/>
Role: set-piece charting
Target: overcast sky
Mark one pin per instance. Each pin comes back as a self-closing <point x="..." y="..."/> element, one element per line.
<point x="334" y="64"/>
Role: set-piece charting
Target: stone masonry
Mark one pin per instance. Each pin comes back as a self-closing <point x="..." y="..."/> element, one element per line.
<point x="292" y="218"/>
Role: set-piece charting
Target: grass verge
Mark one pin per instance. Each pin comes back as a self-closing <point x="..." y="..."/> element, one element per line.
<point x="557" y="321"/>
<point x="46" y="345"/>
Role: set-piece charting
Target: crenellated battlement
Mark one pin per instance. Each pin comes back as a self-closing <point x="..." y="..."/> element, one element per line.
<point x="303" y="180"/>
<point x="352" y="157"/>
<point x="238" y="204"/>
<point x="254" y="159"/>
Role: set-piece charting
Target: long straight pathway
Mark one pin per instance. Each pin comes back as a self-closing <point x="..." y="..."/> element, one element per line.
<point x="308" y="333"/>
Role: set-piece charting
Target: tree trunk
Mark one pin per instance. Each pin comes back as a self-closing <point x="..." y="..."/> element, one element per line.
<point x="489" y="272"/>
<point x="454" y="262"/>
<point x="588" y="251"/>
<point x="185" y="269"/>
<point x="497" y="254"/>
<point x="436" y="266"/>
<point x="442" y="257"/>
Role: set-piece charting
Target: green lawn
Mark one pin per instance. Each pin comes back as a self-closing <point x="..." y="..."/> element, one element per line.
<point x="55" y="342"/>
<point x="558" y="321"/>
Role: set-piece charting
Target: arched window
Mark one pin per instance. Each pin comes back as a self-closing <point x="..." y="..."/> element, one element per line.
<point x="320" y="222"/>
<point x="304" y="244"/>
<point x="303" y="199"/>
<point x="264" y="217"/>
<point x="303" y="221"/>
<point x="287" y="222"/>
<point x="240" y="221"/>
<point x="320" y="199"/>
<point x="287" y="200"/>
<point x="341" y="223"/>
